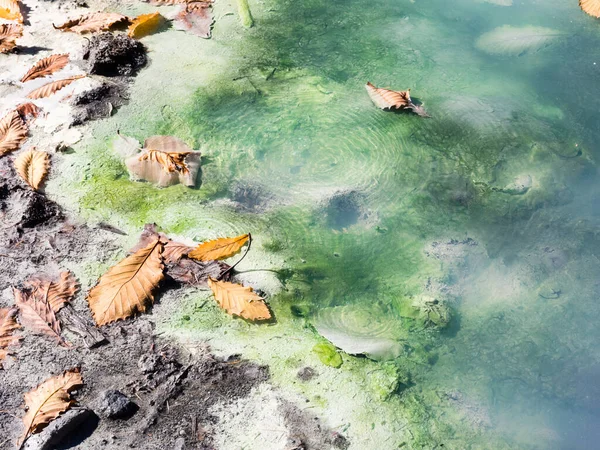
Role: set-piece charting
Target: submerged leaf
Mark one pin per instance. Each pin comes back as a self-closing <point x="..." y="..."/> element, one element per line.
<point x="50" y="88"/>
<point x="46" y="66"/>
<point x="91" y="23"/>
<point x="169" y="161"/>
<point x="328" y="354"/>
<point x="10" y="10"/>
<point x="239" y="300"/>
<point x="197" y="17"/>
<point x="47" y="401"/>
<point x="128" y="287"/>
<point x="592" y="7"/>
<point x="13" y="132"/>
<point x="195" y="273"/>
<point x="144" y="25"/>
<point x="8" y="325"/>
<point x="33" y="165"/>
<point x="219" y="248"/>
<point x="38" y="316"/>
<point x="9" y="33"/>
<point x="509" y="40"/>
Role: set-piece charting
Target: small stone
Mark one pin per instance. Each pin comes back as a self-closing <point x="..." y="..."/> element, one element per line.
<point x="306" y="373"/>
<point x="112" y="404"/>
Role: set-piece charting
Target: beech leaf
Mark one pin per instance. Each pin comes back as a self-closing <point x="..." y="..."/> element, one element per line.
<point x="38" y="316"/>
<point x="393" y="100"/>
<point x="47" y="401"/>
<point x="197" y="17"/>
<point x="219" y="248"/>
<point x="592" y="7"/>
<point x="128" y="287"/>
<point x="46" y="66"/>
<point x="144" y="25"/>
<point x="13" y="132"/>
<point x="28" y="111"/>
<point x="172" y="252"/>
<point x="169" y="161"/>
<point x="50" y="88"/>
<point x="9" y="33"/>
<point x="56" y="293"/>
<point x="239" y="300"/>
<point x="8" y="325"/>
<point x="33" y="166"/>
<point x="91" y="23"/>
<point x="10" y="10"/>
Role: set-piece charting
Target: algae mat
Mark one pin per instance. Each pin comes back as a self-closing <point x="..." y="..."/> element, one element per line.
<point x="489" y="207"/>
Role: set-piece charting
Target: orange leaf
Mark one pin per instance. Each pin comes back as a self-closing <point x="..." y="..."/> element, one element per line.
<point x="38" y="316"/>
<point x="91" y="23"/>
<point x="8" y="325"/>
<point x="13" y="132"/>
<point x="127" y="287"/>
<point x="592" y="7"/>
<point x="9" y="33"/>
<point x="170" y="161"/>
<point x="46" y="66"/>
<point x="144" y="25"/>
<point x="219" y="248"/>
<point x="239" y="300"/>
<point x="10" y="10"/>
<point x="33" y="165"/>
<point x="50" y="88"/>
<point x="172" y="252"/>
<point x="47" y="401"/>
<point x="28" y="111"/>
<point x="56" y="294"/>
<point x="387" y="99"/>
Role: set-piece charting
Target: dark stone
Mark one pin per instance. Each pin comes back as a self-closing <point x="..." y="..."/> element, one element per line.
<point x="306" y="373"/>
<point x="114" y="55"/>
<point x="100" y="102"/>
<point x="60" y="429"/>
<point x="113" y="404"/>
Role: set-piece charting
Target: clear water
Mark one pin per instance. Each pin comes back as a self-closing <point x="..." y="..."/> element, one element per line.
<point x="354" y="198"/>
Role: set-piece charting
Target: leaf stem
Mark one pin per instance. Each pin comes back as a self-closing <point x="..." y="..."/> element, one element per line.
<point x="239" y="261"/>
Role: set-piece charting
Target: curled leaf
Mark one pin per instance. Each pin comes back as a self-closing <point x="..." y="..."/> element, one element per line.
<point x="169" y="161"/>
<point x="239" y="300"/>
<point x="219" y="248"/>
<point x="9" y="33"/>
<point x="91" y="23"/>
<point x="592" y="7"/>
<point x="38" y="316"/>
<point x="388" y="100"/>
<point x="28" y="111"/>
<point x="10" y="10"/>
<point x="197" y="17"/>
<point x="144" y="25"/>
<point x="33" y="165"/>
<point x="47" y="401"/>
<point x="8" y="325"/>
<point x="128" y="287"/>
<point x="50" y="88"/>
<point x="13" y="132"/>
<point x="46" y="66"/>
<point x="56" y="293"/>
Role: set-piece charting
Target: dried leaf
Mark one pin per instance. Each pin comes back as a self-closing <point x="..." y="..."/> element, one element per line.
<point x="195" y="273"/>
<point x="388" y="99"/>
<point x="197" y="17"/>
<point x="56" y="293"/>
<point x="170" y="162"/>
<point x="8" y="325"/>
<point x="592" y="7"/>
<point x="172" y="252"/>
<point x="13" y="132"/>
<point x="127" y="287"/>
<point x="33" y="166"/>
<point x="9" y="33"/>
<point x="50" y="88"/>
<point x="46" y="66"/>
<point x="47" y="401"/>
<point x="144" y="25"/>
<point x="91" y="23"/>
<point x="219" y="248"/>
<point x="10" y="10"/>
<point x="28" y="111"/>
<point x="38" y="316"/>
<point x="239" y="300"/>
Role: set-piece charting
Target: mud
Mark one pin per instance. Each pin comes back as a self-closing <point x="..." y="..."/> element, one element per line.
<point x="114" y="55"/>
<point x="100" y="102"/>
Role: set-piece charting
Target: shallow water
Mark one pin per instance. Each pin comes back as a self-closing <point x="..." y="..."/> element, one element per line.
<point x="491" y="205"/>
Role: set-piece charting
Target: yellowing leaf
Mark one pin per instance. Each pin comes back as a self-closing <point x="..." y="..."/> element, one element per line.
<point x="50" y="88"/>
<point x="91" y="23"/>
<point x="13" y="132"/>
<point x="8" y="325"/>
<point x="47" y="401"/>
<point x="127" y="287"/>
<point x="55" y="293"/>
<point x="46" y="66"/>
<point x="38" y="316"/>
<point x="33" y="165"/>
<point x="9" y="33"/>
<point x="592" y="7"/>
<point x="239" y="300"/>
<point x="219" y="248"/>
<point x="10" y="10"/>
<point x="144" y="25"/>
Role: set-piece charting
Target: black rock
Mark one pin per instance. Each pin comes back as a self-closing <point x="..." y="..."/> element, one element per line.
<point x="114" y="55"/>
<point x="112" y="404"/>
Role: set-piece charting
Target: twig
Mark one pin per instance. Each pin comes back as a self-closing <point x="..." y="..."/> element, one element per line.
<point x="239" y="261"/>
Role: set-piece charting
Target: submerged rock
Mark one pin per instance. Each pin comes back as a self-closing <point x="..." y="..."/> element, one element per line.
<point x="519" y="186"/>
<point x="114" y="55"/>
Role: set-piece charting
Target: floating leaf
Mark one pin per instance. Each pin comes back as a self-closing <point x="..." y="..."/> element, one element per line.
<point x="388" y="100"/>
<point x="33" y="165"/>
<point x="219" y="248"/>
<point x="197" y="17"/>
<point x="28" y="111"/>
<point x="144" y="25"/>
<point x="127" y="287"/>
<point x="10" y="10"/>
<point x="13" y="132"/>
<point x="508" y="40"/>
<point x="46" y="66"/>
<point x="239" y="300"/>
<point x="38" y="316"/>
<point x="91" y="23"/>
<point x="50" y="88"/>
<point x="9" y="33"/>
<point x="56" y="293"/>
<point x="8" y="325"/>
<point x="592" y="7"/>
<point x="47" y="401"/>
<point x="170" y="162"/>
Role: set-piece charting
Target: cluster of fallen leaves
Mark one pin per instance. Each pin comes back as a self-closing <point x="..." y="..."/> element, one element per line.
<point x="9" y="32"/>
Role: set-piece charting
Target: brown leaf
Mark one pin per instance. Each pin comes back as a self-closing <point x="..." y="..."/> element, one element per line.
<point x="33" y="166"/>
<point x="170" y="162"/>
<point x="10" y="10"/>
<point x="56" y="293"/>
<point x="46" y="66"/>
<point x="127" y="287"/>
<point x="195" y="273"/>
<point x="91" y="23"/>
<point x="9" y="33"/>
<point x="197" y="17"/>
<point x="47" y="401"/>
<point x="144" y="25"/>
<point x="172" y="252"/>
<point x="50" y="88"/>
<point x="13" y="132"/>
<point x="387" y="99"/>
<point x="8" y="325"/>
<point x="28" y="111"/>
<point x="592" y="7"/>
<point x="38" y="316"/>
<point x="239" y="300"/>
<point x="219" y="248"/>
